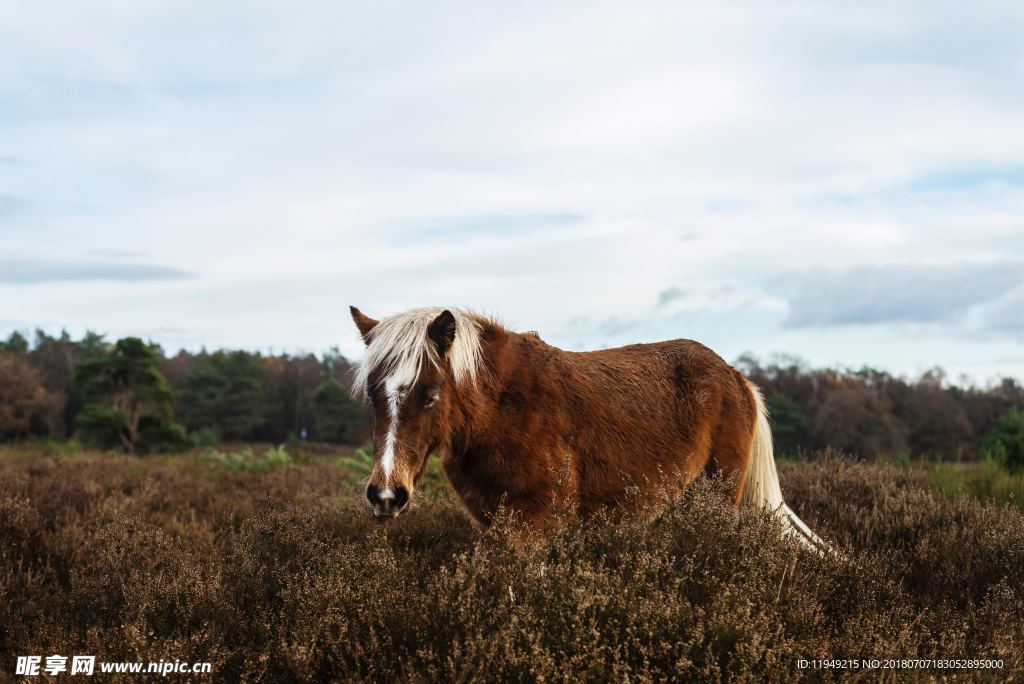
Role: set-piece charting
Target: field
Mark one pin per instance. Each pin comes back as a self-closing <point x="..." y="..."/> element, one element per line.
<point x="276" y="573"/>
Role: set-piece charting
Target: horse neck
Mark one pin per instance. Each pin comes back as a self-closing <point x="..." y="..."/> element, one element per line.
<point x="510" y="362"/>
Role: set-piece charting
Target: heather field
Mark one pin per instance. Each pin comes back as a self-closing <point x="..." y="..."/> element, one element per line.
<point x="266" y="564"/>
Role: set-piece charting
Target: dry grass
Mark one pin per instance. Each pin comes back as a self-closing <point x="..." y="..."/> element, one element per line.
<point x="280" y="576"/>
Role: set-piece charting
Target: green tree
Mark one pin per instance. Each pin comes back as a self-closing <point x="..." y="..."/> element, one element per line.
<point x="224" y="391"/>
<point x="1005" y="443"/>
<point x="290" y="383"/>
<point x="15" y="344"/>
<point x="790" y="425"/>
<point x="339" y="417"/>
<point x="127" y="400"/>
<point x="336" y="366"/>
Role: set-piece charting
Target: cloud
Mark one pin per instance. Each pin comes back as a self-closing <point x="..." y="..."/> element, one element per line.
<point x="466" y="227"/>
<point x="968" y="177"/>
<point x="408" y="154"/>
<point x="896" y="293"/>
<point x="29" y="271"/>
<point x="11" y="206"/>
<point x="670" y="294"/>
<point x="613" y="326"/>
<point x="115" y="253"/>
<point x="1006" y="314"/>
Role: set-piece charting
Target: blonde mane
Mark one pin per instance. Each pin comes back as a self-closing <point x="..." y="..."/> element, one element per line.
<point x="397" y="345"/>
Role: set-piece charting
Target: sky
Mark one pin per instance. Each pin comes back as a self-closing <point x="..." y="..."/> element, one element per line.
<point x="843" y="182"/>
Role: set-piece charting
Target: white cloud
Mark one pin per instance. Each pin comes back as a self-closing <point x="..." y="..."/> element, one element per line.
<point x="903" y="292"/>
<point x="298" y="159"/>
<point x="1007" y="314"/>
<point x="27" y="272"/>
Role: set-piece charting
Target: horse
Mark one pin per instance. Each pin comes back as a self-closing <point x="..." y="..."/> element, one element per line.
<point x="523" y="425"/>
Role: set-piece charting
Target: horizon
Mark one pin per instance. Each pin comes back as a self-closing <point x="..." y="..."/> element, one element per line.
<point x="780" y="359"/>
<point x="843" y="184"/>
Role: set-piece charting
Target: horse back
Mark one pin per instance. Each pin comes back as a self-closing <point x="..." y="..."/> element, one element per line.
<point x="656" y="413"/>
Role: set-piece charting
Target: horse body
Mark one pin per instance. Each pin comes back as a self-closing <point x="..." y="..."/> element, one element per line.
<point x="589" y="426"/>
<point x="533" y="426"/>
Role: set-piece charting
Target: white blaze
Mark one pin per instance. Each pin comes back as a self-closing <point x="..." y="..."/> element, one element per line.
<point x="387" y="459"/>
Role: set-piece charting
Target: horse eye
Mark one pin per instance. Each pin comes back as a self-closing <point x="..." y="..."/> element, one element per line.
<point x="430" y="401"/>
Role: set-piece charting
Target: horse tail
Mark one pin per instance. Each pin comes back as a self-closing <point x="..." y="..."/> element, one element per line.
<point x="761" y="486"/>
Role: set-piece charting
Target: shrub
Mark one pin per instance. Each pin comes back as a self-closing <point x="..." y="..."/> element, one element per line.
<point x="206" y="437"/>
<point x="360" y="464"/>
<point x="1005" y="444"/>
<point x="987" y="481"/>
<point x="278" y="578"/>
<point x="246" y="460"/>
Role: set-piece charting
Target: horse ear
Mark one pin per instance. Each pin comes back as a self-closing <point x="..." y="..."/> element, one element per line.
<point x="442" y="331"/>
<point x="363" y="322"/>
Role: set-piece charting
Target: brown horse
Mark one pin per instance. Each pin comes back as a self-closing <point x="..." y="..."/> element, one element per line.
<point x="523" y="424"/>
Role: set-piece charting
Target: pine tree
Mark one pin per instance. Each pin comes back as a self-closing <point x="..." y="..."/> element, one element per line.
<point x="127" y="400"/>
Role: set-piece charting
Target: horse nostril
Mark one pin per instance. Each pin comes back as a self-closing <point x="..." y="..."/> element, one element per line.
<point x="401" y="496"/>
<point x="388" y="501"/>
<point x="373" y="495"/>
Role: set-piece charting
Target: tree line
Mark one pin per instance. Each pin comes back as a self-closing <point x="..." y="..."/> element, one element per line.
<point x="129" y="394"/>
<point x="871" y="413"/>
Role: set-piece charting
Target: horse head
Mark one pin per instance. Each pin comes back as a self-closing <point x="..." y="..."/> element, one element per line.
<point x="413" y="366"/>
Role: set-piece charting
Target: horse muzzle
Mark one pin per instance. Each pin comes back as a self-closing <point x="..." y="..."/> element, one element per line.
<point x="388" y="502"/>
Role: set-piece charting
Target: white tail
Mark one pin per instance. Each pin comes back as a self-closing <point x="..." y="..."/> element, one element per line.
<point x="762" y="482"/>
